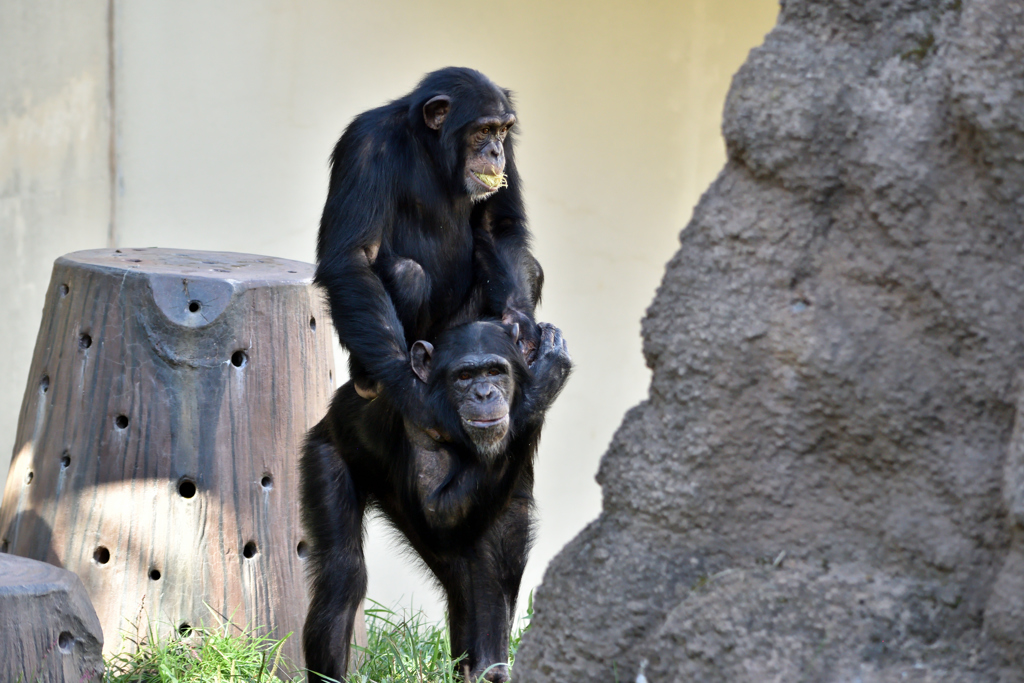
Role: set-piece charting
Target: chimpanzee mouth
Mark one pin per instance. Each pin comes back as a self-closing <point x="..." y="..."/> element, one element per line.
<point x="484" y="424"/>
<point x="490" y="181"/>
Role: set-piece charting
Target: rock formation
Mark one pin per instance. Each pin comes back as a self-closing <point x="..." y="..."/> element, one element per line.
<point x="826" y="482"/>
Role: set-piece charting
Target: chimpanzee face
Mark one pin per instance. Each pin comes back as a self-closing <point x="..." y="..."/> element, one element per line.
<point x="480" y="387"/>
<point x="483" y="142"/>
<point x="485" y="155"/>
<point x="472" y="377"/>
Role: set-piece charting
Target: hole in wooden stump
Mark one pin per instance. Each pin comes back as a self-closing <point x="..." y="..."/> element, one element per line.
<point x="65" y="460"/>
<point x="28" y="477"/>
<point x="194" y="306"/>
<point x="121" y="421"/>
<point x="238" y="358"/>
<point x="293" y="271"/>
<point x="184" y="628"/>
<point x="266" y="482"/>
<point x="64" y="291"/>
<point x="312" y="323"/>
<point x="186" y="488"/>
<point x="84" y="341"/>
<point x="5" y="545"/>
<point x="249" y="551"/>
<point x="44" y="384"/>
<point x="154" y="574"/>
<point x="302" y="550"/>
<point x="101" y="555"/>
<point x="65" y="641"/>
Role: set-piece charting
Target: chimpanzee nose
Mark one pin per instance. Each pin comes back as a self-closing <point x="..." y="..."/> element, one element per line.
<point x="483" y="391"/>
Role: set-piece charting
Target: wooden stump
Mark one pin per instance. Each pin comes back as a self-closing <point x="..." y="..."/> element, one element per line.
<point x="157" y="448"/>
<point x="48" y="628"/>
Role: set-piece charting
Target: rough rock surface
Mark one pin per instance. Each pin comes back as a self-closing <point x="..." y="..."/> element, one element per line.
<point x="827" y="480"/>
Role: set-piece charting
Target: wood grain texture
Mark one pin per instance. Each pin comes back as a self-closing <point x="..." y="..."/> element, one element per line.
<point x="157" y="447"/>
<point x="48" y="628"/>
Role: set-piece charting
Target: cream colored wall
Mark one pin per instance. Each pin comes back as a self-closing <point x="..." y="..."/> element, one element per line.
<point x="54" y="167"/>
<point x="227" y="112"/>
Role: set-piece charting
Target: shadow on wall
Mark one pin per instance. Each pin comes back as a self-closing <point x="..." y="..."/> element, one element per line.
<point x="29" y="525"/>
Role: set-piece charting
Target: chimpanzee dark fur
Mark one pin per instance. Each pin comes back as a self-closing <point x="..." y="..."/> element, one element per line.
<point x="461" y="494"/>
<point x="412" y="241"/>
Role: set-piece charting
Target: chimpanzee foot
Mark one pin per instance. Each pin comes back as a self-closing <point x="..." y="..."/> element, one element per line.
<point x="368" y="391"/>
<point x="495" y="673"/>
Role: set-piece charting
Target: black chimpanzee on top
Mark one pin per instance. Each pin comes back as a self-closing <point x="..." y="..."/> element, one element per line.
<point x="463" y="501"/>
<point x="424" y="228"/>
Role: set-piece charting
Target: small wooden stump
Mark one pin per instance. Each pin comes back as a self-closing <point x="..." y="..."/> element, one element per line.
<point x="157" y="449"/>
<point x="48" y="628"/>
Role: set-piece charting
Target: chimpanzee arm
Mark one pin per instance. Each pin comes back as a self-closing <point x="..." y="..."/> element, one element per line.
<point x="449" y="505"/>
<point x="512" y="277"/>
<point x="357" y="216"/>
<point x="448" y="488"/>
<point x="548" y="375"/>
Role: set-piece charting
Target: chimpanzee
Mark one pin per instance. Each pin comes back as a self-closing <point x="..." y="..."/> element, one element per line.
<point x="424" y="228"/>
<point x="461" y="493"/>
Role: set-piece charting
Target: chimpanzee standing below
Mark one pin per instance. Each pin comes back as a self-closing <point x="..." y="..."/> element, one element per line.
<point x="424" y="228"/>
<point x="463" y="502"/>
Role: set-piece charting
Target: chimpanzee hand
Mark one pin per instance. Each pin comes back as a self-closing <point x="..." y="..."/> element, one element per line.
<point x="550" y="369"/>
<point x="553" y="350"/>
<point x="529" y="333"/>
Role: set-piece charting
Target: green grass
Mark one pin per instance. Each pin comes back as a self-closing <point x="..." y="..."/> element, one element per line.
<point x="410" y="650"/>
<point x="201" y="655"/>
<point x="401" y="648"/>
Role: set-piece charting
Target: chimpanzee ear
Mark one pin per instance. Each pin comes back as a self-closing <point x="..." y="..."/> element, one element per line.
<point x="514" y="332"/>
<point x="435" y="111"/>
<point x="421" y="353"/>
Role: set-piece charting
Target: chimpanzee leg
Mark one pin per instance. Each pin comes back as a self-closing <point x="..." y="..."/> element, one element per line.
<point x="506" y="549"/>
<point x="482" y="587"/>
<point x="332" y="514"/>
<point x="454" y="575"/>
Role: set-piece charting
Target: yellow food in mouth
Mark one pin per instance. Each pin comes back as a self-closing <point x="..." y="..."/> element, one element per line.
<point x="492" y="181"/>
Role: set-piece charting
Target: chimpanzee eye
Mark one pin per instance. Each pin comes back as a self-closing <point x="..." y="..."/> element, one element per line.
<point x="486" y="130"/>
<point x="494" y="372"/>
<point x="464" y="375"/>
